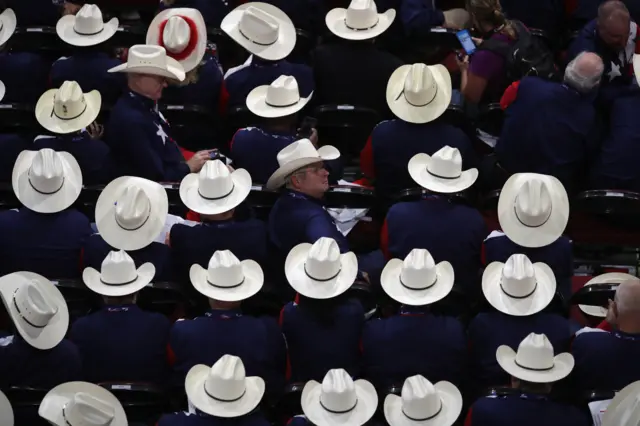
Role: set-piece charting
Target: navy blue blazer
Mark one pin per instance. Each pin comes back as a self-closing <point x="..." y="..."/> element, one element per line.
<point x="35" y="12"/>
<point x="199" y="419"/>
<point x="256" y="150"/>
<point x="11" y="145"/>
<point x="205" y="91"/>
<point x="547" y="15"/>
<point x="24" y="74"/>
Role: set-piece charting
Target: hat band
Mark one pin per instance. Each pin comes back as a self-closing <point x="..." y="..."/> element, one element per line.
<point x="226" y="286"/>
<point x="418" y="288"/>
<point x="64" y="415"/>
<point x="254" y="41"/>
<point x="136" y="228"/>
<point x="532" y="368"/>
<point x="221" y="399"/>
<point x="435" y="93"/>
<point x="320" y="279"/>
<point x="515" y="211"/>
<point x="15" y="304"/>
<point x="425" y="418"/>
<point x="88" y="34"/>
<point x="336" y="411"/>
<point x="518" y="297"/>
<point x="116" y="284"/>
<point x="282" y="106"/>
<point x="361" y="29"/>
<point x="217" y="198"/>
<point x="444" y="177"/>
<point x="53" y="112"/>
<point x="44" y="192"/>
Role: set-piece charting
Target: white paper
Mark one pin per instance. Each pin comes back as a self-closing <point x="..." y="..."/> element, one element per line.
<point x="597" y="409"/>
<point x="346" y="219"/>
<point x="168" y="224"/>
<point x="487" y="138"/>
<point x="345" y="183"/>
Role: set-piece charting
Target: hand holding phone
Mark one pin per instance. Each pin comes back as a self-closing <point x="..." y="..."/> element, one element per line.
<point x="466" y="41"/>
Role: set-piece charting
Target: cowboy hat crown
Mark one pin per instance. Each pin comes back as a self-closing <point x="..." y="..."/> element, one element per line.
<point x="361" y="14"/>
<point x="323" y="261"/>
<point x="533" y="203"/>
<point x="214" y="180"/>
<point x="420" y="87"/>
<point x="225" y="270"/>
<point x="446" y="163"/>
<point x="176" y="34"/>
<point x="420" y="399"/>
<point x="133" y="208"/>
<point x="46" y="174"/>
<point x="259" y="26"/>
<point x="88" y="20"/>
<point x="87" y="410"/>
<point x="338" y="391"/>
<point x="298" y="150"/>
<point x="518" y="276"/>
<point x="418" y="270"/>
<point x="118" y="268"/>
<point x="283" y="91"/>
<point x="535" y="352"/>
<point x="34" y="307"/>
<point x="69" y="102"/>
<point x="226" y="379"/>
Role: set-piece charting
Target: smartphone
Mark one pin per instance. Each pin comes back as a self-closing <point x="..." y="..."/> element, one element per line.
<point x="307" y="125"/>
<point x="466" y="41"/>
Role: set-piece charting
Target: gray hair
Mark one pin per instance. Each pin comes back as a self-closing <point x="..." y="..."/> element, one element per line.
<point x="628" y="297"/>
<point x="584" y="72"/>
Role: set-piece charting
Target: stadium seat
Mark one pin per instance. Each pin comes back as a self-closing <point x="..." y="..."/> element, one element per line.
<point x="490" y="119"/>
<point x="362" y="291"/>
<point x="455" y="115"/>
<point x="192" y="126"/>
<point x="616" y="206"/>
<point x="80" y="300"/>
<point x="162" y="297"/>
<point x="305" y="43"/>
<point x="443" y="37"/>
<point x="489" y="201"/>
<point x="355" y="197"/>
<point x="18" y="118"/>
<point x="267" y="302"/>
<point x="288" y="405"/>
<point x="143" y="402"/>
<point x="599" y="395"/>
<point x="544" y="37"/>
<point x="128" y="35"/>
<point x="41" y="39"/>
<point x="415" y="194"/>
<point x="25" y="402"/>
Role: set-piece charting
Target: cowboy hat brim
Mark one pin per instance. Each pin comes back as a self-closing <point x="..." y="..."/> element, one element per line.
<point x="253" y="281"/>
<point x="528" y="236"/>
<point x="190" y="195"/>
<point x="48" y="120"/>
<point x="3" y="90"/>
<point x="610" y="277"/>
<point x="623" y="407"/>
<point x="9" y="22"/>
<point x="562" y="365"/>
<point x="636" y="66"/>
<point x="451" y="408"/>
<point x="39" y="338"/>
<point x="67" y="33"/>
<point x="303" y="284"/>
<point x="284" y="44"/>
<point x="194" y="386"/>
<point x="277" y="179"/>
<point x="418" y="171"/>
<point x="361" y="413"/>
<point x="55" y="400"/>
<point x="93" y="280"/>
<point x="121" y="238"/>
<point x="391" y="284"/>
<point x="520" y="307"/>
<point x="336" y="22"/>
<point x="46" y="203"/>
<point x="6" y="410"/>
<point x="173" y="69"/>
<point x="257" y="104"/>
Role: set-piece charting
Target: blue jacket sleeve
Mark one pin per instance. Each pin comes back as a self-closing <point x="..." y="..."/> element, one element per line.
<point x="419" y="16"/>
<point x="321" y="226"/>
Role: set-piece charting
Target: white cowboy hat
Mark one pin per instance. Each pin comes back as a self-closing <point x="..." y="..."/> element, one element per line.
<point x="278" y="99"/>
<point x="37" y="308"/>
<point x="151" y="60"/>
<point x="7" y="25"/>
<point x="533" y="209"/>
<point x="86" y="27"/>
<point x="319" y="271"/>
<point x="67" y="109"/>
<point x="46" y="181"/>
<point x="6" y="411"/>
<point x="226" y="278"/>
<point x="441" y="172"/>
<point x="624" y="408"/>
<point x="215" y="190"/>
<point x="423" y="404"/>
<point x="3" y="90"/>
<point x="296" y="156"/>
<point x="361" y="21"/>
<point x="338" y="400"/>
<point x="262" y="29"/>
<point x="419" y="93"/>
<point x="183" y="34"/>
<point x="636" y="66"/>
<point x="534" y="362"/>
<point x="118" y="275"/>
<point x="518" y="287"/>
<point x="610" y="277"/>
<point x="417" y="281"/>
<point x="131" y="212"/>
<point x="82" y="403"/>
<point x="223" y="390"/>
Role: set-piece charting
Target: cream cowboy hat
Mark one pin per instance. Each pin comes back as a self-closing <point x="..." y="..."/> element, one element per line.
<point x="226" y="278"/>
<point x="223" y="390"/>
<point x="319" y="271"/>
<point x="361" y="21"/>
<point x="82" y="403"/>
<point x="419" y="93"/>
<point x="131" y="212"/>
<point x="297" y="155"/>
<point x="610" y="277"/>
<point x="534" y="362"/>
<point x="118" y="275"/>
<point x="151" y="60"/>
<point x="183" y="34"/>
<point x="518" y="287"/>
<point x="278" y="99"/>
<point x="636" y="66"/>
<point x="417" y="281"/>
<point x="214" y="189"/>
<point x="624" y="408"/>
<point x="3" y="90"/>
<point x="6" y="411"/>
<point x="86" y="27"/>
<point x="262" y="29"/>
<point x="7" y="25"/>
<point x="37" y="308"/>
<point x="423" y="404"/>
<point x="338" y="400"/>
<point x="46" y="181"/>
<point x="441" y="172"/>
<point x="533" y="209"/>
<point x="68" y="109"/>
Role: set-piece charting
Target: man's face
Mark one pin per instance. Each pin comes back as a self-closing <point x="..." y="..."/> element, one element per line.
<point x="151" y="86"/>
<point x="313" y="179"/>
<point x="614" y="32"/>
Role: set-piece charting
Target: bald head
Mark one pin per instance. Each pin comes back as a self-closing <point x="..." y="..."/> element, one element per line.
<point x="584" y="72"/>
<point x="614" y="24"/>
<point x="628" y="298"/>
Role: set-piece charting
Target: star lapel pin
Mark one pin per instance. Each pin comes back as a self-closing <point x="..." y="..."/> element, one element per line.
<point x="162" y="134"/>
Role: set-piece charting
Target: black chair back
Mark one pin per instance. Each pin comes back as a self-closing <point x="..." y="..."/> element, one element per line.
<point x="18" y="118"/>
<point x="490" y="119"/>
<point x="288" y="405"/>
<point x="143" y="402"/>
<point x="25" y="402"/>
<point x="616" y="206"/>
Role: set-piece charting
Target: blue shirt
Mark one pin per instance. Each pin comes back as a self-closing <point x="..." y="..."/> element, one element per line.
<point x="256" y="150"/>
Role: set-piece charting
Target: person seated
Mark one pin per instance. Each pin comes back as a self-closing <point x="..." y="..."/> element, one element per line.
<point x="46" y="234"/>
<point x="533" y="370"/>
<point x="36" y="354"/>
<point x="11" y="145"/>
<point x="595" y="315"/>
<point x="587" y="10"/>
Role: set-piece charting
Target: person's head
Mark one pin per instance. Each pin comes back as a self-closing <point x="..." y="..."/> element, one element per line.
<point x="224" y="306"/>
<point x="530" y="387"/>
<point x="150" y="86"/>
<point x="626" y="306"/>
<point x="614" y="24"/>
<point x="218" y="217"/>
<point x="486" y="15"/>
<point x="312" y="180"/>
<point x="286" y="123"/>
<point x="130" y="299"/>
<point x="584" y="72"/>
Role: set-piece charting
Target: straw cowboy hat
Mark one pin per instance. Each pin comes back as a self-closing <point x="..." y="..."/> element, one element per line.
<point x="423" y="404"/>
<point x="7" y="25"/>
<point x="131" y="212"/>
<point x="6" y="411"/>
<point x="226" y="278"/>
<point x="417" y="280"/>
<point x="360" y="21"/>
<point x="338" y="400"/>
<point x="215" y="189"/>
<point x="534" y="362"/>
<point x="46" y="181"/>
<point x="37" y="308"/>
<point x="151" y="60"/>
<point x="441" y="172"/>
<point x="624" y="408"/>
<point x="419" y="93"/>
<point x="533" y="209"/>
<point x="86" y="27"/>
<point x="118" y="275"/>
<point x="297" y="155"/>
<point x="319" y="270"/>
<point x="68" y="109"/>
<point x="183" y="34"/>
<point x="610" y="277"/>
<point x="223" y="390"/>
<point x="262" y="29"/>
<point x="82" y="403"/>
<point x="518" y="287"/>
<point x="278" y="99"/>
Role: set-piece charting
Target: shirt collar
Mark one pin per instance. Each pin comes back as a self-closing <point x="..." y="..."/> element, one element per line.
<point x="299" y="195"/>
<point x="146" y="102"/>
